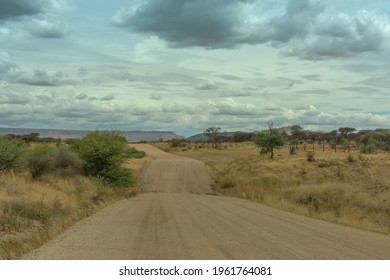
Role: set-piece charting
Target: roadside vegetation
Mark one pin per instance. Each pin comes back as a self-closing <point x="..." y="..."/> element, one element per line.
<point x="340" y="176"/>
<point x="46" y="187"/>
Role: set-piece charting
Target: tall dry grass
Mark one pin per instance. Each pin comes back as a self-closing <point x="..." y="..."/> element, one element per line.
<point x="33" y="211"/>
<point x="350" y="189"/>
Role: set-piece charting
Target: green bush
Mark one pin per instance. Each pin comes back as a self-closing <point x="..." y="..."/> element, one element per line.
<point x="11" y="151"/>
<point x="134" y="153"/>
<point x="40" y="160"/>
<point x="177" y="143"/>
<point x="368" y="149"/>
<point x="310" y="157"/>
<point x="103" y="154"/>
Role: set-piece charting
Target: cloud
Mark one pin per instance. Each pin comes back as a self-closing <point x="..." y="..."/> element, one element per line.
<point x="206" y="85"/>
<point x="16" y="8"/>
<point x="156" y="96"/>
<point x="108" y="97"/>
<point x="39" y="17"/>
<point x="43" y="28"/>
<point x="363" y="90"/>
<point x="231" y="107"/>
<point x="236" y="93"/>
<point x="342" y="35"/>
<point x="305" y="29"/>
<point x="12" y="9"/>
<point x="42" y="78"/>
<point x="299" y="18"/>
<point x="230" y="77"/>
<point x="14" y="99"/>
<point x="313" y="91"/>
<point x="185" y="22"/>
<point x="313" y="77"/>
<point x="6" y="66"/>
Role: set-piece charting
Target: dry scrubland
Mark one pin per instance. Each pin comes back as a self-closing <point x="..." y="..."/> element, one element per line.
<point x="350" y="189"/>
<point x="33" y="211"/>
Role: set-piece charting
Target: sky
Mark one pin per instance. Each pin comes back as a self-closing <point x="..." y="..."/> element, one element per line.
<point x="186" y="65"/>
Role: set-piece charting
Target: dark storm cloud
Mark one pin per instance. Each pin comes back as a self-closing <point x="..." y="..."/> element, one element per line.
<point x="211" y="23"/>
<point x="34" y="16"/>
<point x="16" y="8"/>
<point x="297" y="21"/>
<point x="305" y="29"/>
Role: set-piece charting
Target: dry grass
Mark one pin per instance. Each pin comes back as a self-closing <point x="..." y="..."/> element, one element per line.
<point x="33" y="211"/>
<point x="349" y="189"/>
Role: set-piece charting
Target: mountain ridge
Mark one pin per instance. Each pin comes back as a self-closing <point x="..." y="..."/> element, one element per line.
<point x="131" y="136"/>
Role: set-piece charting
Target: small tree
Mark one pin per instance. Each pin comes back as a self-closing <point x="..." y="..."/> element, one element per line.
<point x="103" y="154"/>
<point x="10" y="152"/>
<point x="270" y="140"/>
<point x="213" y="134"/>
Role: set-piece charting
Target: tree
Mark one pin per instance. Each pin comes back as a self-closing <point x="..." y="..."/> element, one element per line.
<point x="213" y="134"/>
<point x="10" y="152"/>
<point x="270" y="140"/>
<point x="103" y="154"/>
<point x="345" y="131"/>
<point x="297" y="132"/>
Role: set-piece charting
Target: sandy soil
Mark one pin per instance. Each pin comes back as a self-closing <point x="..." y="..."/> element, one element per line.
<point x="178" y="216"/>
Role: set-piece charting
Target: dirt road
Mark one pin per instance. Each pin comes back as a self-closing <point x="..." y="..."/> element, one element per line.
<point x="177" y="216"/>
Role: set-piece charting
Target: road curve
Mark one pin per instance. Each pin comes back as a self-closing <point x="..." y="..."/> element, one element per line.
<point x="177" y="216"/>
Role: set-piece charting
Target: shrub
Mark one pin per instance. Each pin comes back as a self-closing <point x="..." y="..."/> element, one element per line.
<point x="310" y="157"/>
<point x="176" y="143"/>
<point x="134" y="153"/>
<point x="66" y="162"/>
<point x="11" y="151"/>
<point x="117" y="177"/>
<point x="368" y="149"/>
<point x="40" y="160"/>
<point x="103" y="153"/>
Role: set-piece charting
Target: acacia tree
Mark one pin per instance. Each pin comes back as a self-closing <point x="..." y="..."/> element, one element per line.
<point x="270" y="140"/>
<point x="213" y="135"/>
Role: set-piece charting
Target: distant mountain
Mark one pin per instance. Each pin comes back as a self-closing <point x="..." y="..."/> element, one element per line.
<point x="131" y="136"/>
<point x="202" y="138"/>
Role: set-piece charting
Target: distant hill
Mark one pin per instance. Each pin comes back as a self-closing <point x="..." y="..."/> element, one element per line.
<point x="131" y="136"/>
<point x="202" y="138"/>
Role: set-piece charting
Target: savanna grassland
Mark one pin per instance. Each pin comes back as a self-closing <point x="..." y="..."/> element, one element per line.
<point x="35" y="206"/>
<point x="347" y="188"/>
